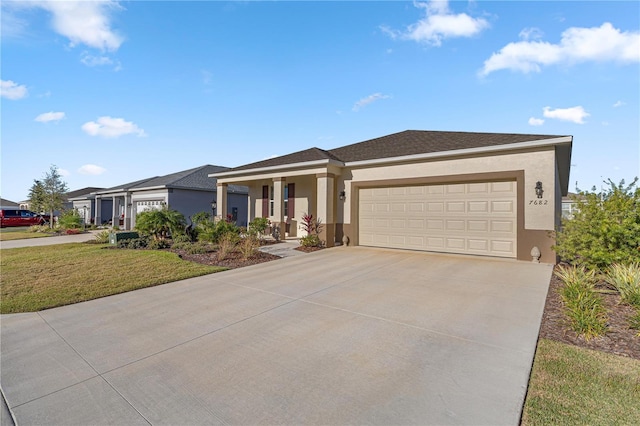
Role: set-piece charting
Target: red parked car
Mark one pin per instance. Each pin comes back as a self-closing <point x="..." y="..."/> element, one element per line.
<point x="16" y="217"/>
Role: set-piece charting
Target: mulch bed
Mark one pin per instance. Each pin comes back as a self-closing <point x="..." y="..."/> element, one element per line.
<point x="308" y="249"/>
<point x="232" y="260"/>
<point x="619" y="338"/>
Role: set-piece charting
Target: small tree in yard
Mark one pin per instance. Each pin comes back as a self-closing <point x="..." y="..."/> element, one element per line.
<point x="605" y="229"/>
<point x="48" y="194"/>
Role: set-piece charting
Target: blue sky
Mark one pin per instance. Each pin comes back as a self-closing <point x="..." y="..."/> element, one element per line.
<point x="112" y="92"/>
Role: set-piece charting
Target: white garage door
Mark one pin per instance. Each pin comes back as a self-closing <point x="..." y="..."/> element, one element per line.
<point x="143" y="206"/>
<point x="470" y="218"/>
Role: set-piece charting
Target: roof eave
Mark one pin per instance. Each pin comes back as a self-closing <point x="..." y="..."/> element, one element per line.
<point x="304" y="164"/>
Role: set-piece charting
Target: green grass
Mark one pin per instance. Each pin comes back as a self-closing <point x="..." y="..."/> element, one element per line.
<point x="36" y="278"/>
<point x="20" y="235"/>
<point x="575" y="386"/>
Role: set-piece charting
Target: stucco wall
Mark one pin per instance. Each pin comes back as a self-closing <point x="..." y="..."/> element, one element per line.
<point x="537" y="166"/>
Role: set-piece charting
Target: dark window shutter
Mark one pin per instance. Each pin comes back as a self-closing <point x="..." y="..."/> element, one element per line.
<point x="291" y="207"/>
<point x="265" y="201"/>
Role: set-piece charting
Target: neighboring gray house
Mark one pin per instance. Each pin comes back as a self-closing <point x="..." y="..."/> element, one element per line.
<point x="189" y="192"/>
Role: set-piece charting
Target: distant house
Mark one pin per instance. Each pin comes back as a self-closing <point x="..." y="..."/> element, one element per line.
<point x="6" y="203"/>
<point x="189" y="192"/>
<point x="67" y="203"/>
<point x="570" y="204"/>
<point x="491" y="194"/>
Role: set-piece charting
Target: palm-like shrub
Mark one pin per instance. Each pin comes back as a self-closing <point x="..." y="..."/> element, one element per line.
<point x="159" y="224"/>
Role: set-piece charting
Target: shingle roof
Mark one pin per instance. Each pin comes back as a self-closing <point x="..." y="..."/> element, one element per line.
<point x="311" y="154"/>
<point x="83" y="191"/>
<point x="196" y="178"/>
<point x="409" y="142"/>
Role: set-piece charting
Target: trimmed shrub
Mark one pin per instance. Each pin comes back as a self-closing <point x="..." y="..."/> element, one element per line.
<point x="159" y="224"/>
<point x="311" y="240"/>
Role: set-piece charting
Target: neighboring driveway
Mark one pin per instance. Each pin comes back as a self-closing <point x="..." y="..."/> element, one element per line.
<point x="347" y="335"/>
<point x="48" y="241"/>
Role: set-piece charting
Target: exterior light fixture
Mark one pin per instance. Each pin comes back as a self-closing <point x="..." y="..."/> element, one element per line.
<point x="342" y="196"/>
<point x="539" y="189"/>
<point x="214" y="205"/>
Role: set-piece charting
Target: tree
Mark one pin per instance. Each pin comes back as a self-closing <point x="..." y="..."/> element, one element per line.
<point x="48" y="195"/>
<point x="605" y="229"/>
<point x="36" y="197"/>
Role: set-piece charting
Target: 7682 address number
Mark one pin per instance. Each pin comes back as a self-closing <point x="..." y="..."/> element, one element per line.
<point x="538" y="202"/>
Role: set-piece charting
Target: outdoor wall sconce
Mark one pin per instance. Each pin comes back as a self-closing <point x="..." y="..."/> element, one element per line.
<point x="342" y="196"/>
<point x="539" y="189"/>
<point x="214" y="205"/>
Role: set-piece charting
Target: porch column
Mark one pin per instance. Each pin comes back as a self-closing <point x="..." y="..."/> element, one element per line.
<point x="115" y="218"/>
<point x="221" y="200"/>
<point x="325" y="206"/>
<point x="97" y="214"/>
<point x="127" y="212"/>
<point x="278" y="204"/>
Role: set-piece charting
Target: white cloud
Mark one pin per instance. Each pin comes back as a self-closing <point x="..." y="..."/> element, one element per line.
<point x="438" y="24"/>
<point x="531" y="34"/>
<point x="597" y="44"/>
<point x="11" y="90"/>
<point x="94" y="61"/>
<point x="84" y="22"/>
<point x="536" y="121"/>
<point x="49" y="116"/>
<point x="575" y="114"/>
<point x="91" y="169"/>
<point x="619" y="104"/>
<point x="64" y="172"/>
<point x="109" y="127"/>
<point x="369" y="99"/>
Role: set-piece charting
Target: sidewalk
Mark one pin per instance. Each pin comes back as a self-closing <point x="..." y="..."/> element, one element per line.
<point x="48" y="241"/>
<point x="286" y="248"/>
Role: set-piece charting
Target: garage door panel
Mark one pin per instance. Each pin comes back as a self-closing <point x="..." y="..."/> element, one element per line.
<point x="457" y="244"/>
<point x="505" y="206"/>
<point x="475" y="218"/>
<point x="416" y="225"/>
<point x="478" y="225"/>
<point x="478" y="207"/>
<point x="508" y="226"/>
<point x="455" y="206"/>
<point x="481" y="245"/>
<point x="478" y="188"/>
<point x="503" y="187"/>
<point x="455" y="225"/>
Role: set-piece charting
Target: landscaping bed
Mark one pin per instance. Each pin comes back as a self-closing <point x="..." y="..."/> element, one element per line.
<point x="619" y="339"/>
<point x="232" y="260"/>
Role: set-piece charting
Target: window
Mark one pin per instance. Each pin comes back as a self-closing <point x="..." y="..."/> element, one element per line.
<point x="271" y="201"/>
<point x="286" y="200"/>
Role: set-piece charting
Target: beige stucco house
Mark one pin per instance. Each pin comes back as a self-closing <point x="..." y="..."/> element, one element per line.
<point x="489" y="194"/>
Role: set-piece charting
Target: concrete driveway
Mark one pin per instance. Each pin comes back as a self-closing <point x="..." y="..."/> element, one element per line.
<point x="340" y="336"/>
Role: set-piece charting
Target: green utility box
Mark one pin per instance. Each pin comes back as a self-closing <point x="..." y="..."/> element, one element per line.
<point x="114" y="237"/>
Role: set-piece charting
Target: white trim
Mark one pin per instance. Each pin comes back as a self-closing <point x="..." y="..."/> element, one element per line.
<point x="304" y="164"/>
<point x="466" y="151"/>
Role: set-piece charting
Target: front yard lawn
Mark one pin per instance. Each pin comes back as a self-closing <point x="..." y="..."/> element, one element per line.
<point x="36" y="278"/>
<point x="20" y="235"/>
<point x="575" y="386"/>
